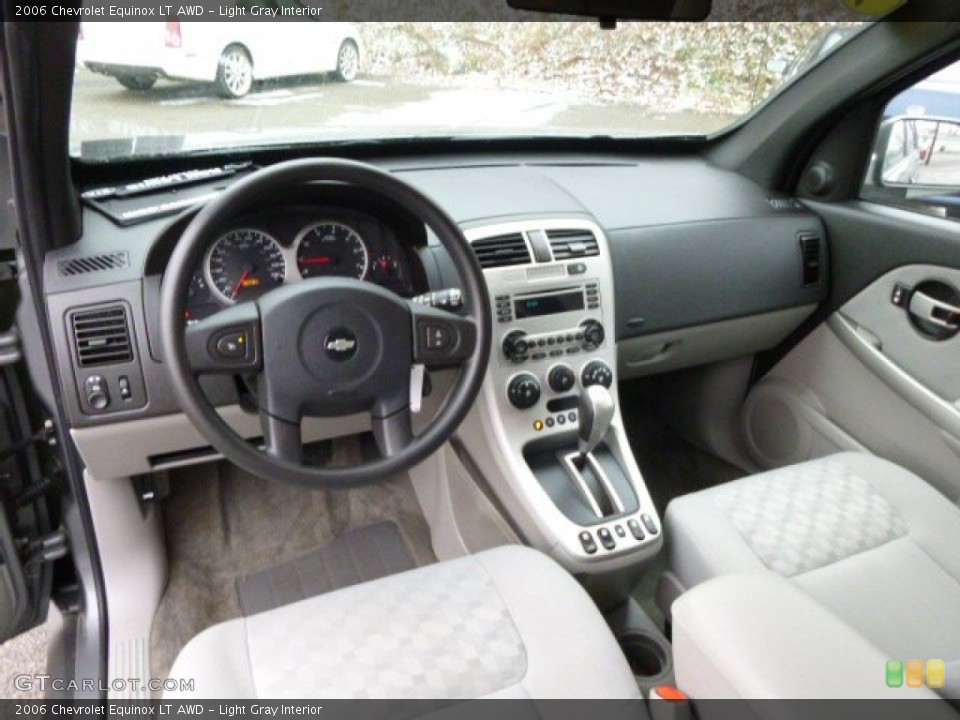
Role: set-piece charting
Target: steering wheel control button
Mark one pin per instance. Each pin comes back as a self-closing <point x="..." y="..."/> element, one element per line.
<point x="649" y="524"/>
<point x="233" y="345"/>
<point x="588" y="543"/>
<point x="438" y="337"/>
<point x="596" y="372"/>
<point x="635" y="529"/>
<point x="98" y="397"/>
<point x="523" y="392"/>
<point x="561" y="378"/>
<point x="606" y="538"/>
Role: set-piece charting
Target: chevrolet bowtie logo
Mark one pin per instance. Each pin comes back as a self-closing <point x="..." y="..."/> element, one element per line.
<point x="341" y="345"/>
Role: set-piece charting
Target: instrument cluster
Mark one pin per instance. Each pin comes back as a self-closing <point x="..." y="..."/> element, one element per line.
<point x="265" y="252"/>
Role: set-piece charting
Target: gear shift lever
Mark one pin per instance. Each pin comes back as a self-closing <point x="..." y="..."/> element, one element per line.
<point x="596" y="413"/>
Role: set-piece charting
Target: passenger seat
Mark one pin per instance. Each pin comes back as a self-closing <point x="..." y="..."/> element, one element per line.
<point x="868" y="539"/>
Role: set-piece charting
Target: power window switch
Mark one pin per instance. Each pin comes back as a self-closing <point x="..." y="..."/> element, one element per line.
<point x="588" y="543"/>
<point x="606" y="538"/>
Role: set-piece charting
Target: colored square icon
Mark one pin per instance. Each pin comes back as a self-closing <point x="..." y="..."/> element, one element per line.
<point x="914" y="673"/>
<point x="936" y="673"/>
<point x="894" y="673"/>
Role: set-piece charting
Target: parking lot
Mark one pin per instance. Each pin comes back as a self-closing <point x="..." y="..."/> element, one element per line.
<point x="318" y="108"/>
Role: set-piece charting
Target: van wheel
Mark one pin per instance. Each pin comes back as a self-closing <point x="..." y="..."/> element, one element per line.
<point x="137" y="82"/>
<point x="348" y="61"/>
<point x="234" y="72"/>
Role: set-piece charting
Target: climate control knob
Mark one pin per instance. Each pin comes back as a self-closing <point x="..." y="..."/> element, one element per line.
<point x="593" y="334"/>
<point x="523" y="392"/>
<point x="561" y="378"/>
<point x="596" y="372"/>
<point x="515" y="346"/>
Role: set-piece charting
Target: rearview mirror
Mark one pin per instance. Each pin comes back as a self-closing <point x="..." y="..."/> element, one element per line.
<point x="683" y="10"/>
<point x="918" y="151"/>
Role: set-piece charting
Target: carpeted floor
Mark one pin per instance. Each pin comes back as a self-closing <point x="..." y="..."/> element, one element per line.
<point x="671" y="467"/>
<point x="223" y="523"/>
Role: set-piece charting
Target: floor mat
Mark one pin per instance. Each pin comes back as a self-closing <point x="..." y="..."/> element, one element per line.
<point x="222" y="524"/>
<point x="357" y="556"/>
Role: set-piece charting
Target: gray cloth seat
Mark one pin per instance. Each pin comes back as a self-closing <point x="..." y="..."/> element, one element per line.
<point x="869" y="540"/>
<point x="498" y="624"/>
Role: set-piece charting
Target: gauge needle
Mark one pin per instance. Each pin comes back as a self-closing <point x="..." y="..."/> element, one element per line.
<point x="243" y="279"/>
<point x="319" y="260"/>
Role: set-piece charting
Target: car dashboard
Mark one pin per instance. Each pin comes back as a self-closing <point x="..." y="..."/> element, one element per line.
<point x="700" y="264"/>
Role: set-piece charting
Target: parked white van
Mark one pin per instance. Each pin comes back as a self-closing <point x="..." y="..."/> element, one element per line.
<point x="233" y="55"/>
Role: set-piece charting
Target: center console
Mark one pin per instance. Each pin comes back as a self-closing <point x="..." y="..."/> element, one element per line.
<point x="547" y="435"/>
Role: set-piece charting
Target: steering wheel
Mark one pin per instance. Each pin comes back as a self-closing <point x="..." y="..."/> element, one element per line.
<point x="325" y="347"/>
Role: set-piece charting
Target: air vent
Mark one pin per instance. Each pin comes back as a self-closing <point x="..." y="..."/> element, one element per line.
<point x="102" y="336"/>
<point x="568" y="244"/>
<point x="501" y="251"/>
<point x="93" y="263"/>
<point x="811" y="259"/>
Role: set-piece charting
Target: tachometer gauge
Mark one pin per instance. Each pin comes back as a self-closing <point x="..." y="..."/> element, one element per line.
<point x="331" y="248"/>
<point x="244" y="264"/>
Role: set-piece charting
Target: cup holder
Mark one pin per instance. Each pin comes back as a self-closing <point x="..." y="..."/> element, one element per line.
<point x="648" y="658"/>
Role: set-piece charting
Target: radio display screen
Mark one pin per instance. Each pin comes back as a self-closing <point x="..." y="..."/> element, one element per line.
<point x="548" y="304"/>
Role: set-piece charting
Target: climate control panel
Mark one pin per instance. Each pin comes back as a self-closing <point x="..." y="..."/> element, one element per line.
<point x="524" y="390"/>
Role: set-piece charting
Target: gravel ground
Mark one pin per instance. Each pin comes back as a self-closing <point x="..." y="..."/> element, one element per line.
<point x="23" y="655"/>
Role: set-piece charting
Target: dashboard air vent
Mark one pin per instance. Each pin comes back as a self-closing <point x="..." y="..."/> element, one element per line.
<point x="93" y="263"/>
<point x="811" y="259"/>
<point x="501" y="251"/>
<point x="102" y="336"/>
<point x="568" y="244"/>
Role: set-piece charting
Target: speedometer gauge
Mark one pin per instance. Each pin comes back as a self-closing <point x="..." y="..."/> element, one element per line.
<point x="244" y="264"/>
<point x="331" y="248"/>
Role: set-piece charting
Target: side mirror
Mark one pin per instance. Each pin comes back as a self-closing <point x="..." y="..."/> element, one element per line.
<point x="918" y="151"/>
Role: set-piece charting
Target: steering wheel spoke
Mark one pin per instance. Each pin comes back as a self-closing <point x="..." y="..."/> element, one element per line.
<point x="227" y="342"/>
<point x="440" y="338"/>
<point x="394" y="432"/>
<point x="282" y="438"/>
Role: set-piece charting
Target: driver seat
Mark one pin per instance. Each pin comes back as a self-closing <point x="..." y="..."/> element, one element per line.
<point x="504" y="623"/>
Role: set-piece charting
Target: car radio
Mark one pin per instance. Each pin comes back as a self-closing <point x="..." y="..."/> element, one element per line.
<point x="519" y="345"/>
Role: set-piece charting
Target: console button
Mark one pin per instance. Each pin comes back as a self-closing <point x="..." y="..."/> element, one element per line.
<point x="96" y="390"/>
<point x="649" y="524"/>
<point x="561" y="378"/>
<point x="635" y="529"/>
<point x="577" y="268"/>
<point x="523" y="392"/>
<point x="606" y="538"/>
<point x="620" y="531"/>
<point x="561" y="419"/>
<point x="124" y="382"/>
<point x="550" y="422"/>
<point x="572" y="417"/>
<point x="588" y="543"/>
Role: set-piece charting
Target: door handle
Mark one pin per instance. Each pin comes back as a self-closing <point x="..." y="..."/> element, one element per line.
<point x="923" y="307"/>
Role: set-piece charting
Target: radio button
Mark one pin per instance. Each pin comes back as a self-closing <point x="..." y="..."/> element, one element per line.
<point x="593" y="334"/>
<point x="515" y="346"/>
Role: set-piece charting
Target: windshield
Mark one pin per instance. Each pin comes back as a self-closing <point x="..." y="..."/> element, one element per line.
<point x="178" y="87"/>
